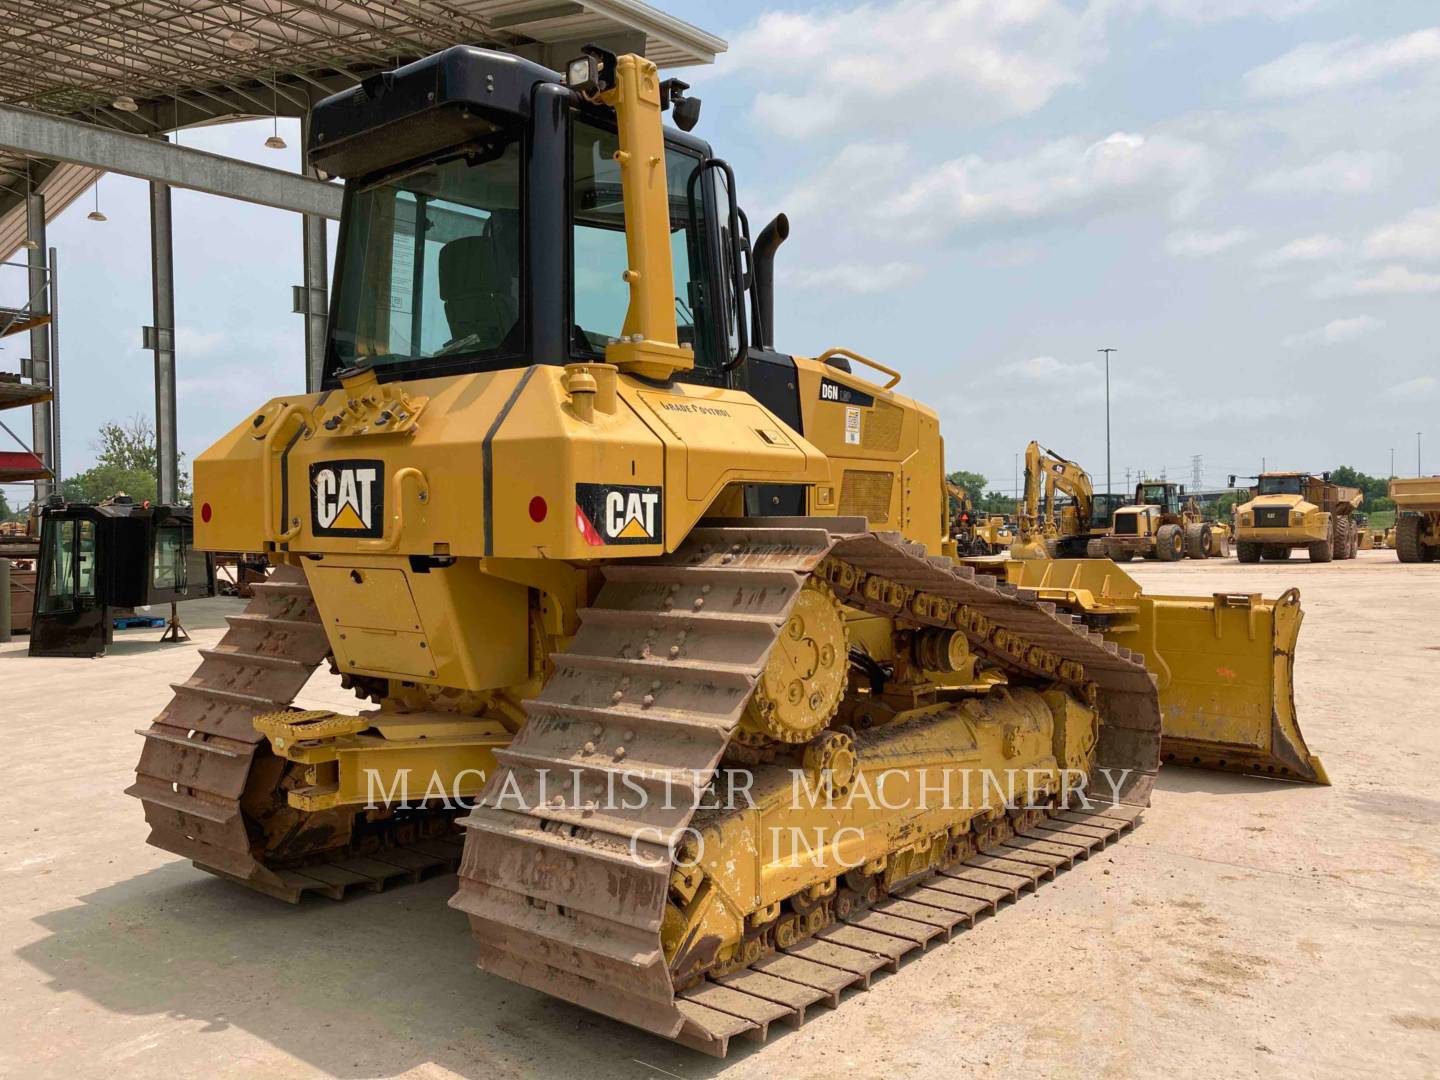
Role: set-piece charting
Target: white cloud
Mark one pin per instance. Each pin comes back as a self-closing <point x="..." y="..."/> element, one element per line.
<point x="1420" y="389"/>
<point x="1195" y="244"/>
<point x="1343" y="171"/>
<point x="1209" y="11"/>
<point x="859" y="277"/>
<point x="1303" y="249"/>
<point x="873" y="64"/>
<point x="1049" y="369"/>
<point x="1391" y="281"/>
<point x="1335" y="332"/>
<point x="1065" y="179"/>
<point x="1317" y="66"/>
<point x="192" y="343"/>
<point x="1415" y="236"/>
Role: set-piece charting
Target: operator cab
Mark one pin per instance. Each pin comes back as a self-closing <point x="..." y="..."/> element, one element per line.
<point x="1292" y="484"/>
<point x="483" y="226"/>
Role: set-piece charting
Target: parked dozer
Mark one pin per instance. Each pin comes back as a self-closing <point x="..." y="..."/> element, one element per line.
<point x="667" y="600"/>
<point x="1289" y="510"/>
<point x="1417" y="524"/>
<point x="1161" y="523"/>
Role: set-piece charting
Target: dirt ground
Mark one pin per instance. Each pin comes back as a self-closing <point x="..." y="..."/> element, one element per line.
<point x="1249" y="927"/>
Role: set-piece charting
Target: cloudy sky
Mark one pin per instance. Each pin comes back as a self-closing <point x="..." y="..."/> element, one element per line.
<point x="1240" y="196"/>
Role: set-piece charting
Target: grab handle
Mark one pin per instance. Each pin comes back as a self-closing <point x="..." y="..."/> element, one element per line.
<point x="894" y="375"/>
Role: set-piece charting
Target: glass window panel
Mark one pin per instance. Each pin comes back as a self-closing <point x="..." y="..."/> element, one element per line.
<point x="58" y="593"/>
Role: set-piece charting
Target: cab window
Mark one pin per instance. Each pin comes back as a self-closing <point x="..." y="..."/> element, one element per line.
<point x="431" y="265"/>
<point x="601" y="297"/>
<point x="168" y="569"/>
<point x="57" y="589"/>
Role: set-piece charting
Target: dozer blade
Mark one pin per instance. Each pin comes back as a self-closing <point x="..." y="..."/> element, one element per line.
<point x="1224" y="663"/>
<point x="1226" y="671"/>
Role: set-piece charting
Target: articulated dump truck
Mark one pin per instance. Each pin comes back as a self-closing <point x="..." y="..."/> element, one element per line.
<point x="658" y="642"/>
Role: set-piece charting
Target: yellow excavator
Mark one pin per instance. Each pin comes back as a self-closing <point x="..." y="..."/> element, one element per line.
<point x="1047" y="529"/>
<point x="650" y="619"/>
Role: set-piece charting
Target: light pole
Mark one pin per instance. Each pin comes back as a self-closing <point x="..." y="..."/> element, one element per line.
<point x="1418" y="470"/>
<point x="1107" y="351"/>
<point x="1392" y="463"/>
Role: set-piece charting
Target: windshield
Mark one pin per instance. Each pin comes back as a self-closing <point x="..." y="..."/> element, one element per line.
<point x="1153" y="493"/>
<point x="1282" y="485"/>
<point x="430" y="262"/>
<point x="601" y="297"/>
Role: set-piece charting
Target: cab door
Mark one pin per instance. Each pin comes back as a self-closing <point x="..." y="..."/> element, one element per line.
<point x="70" y="616"/>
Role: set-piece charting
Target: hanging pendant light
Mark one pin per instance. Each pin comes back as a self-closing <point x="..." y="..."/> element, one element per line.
<point x="96" y="215"/>
<point x="275" y="142"/>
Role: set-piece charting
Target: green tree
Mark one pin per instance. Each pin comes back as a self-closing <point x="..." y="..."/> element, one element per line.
<point x="972" y="482"/>
<point x="125" y="459"/>
<point x="5" y="510"/>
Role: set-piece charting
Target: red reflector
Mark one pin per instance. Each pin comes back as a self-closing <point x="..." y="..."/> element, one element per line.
<point x="538" y="509"/>
<point x="205" y="512"/>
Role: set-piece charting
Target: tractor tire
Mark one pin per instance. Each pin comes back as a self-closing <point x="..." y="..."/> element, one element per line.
<point x="1324" y="550"/>
<point x="1354" y="543"/>
<point x="1222" y="546"/>
<point x="1407" y="539"/>
<point x="1339" y="539"/>
<point x="1170" y="543"/>
<point x="1199" y="541"/>
<point x="1247" y="551"/>
<point x="1095" y="549"/>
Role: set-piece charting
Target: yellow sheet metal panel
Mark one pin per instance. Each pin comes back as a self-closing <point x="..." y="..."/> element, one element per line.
<point x="885" y="451"/>
<point x="384" y="618"/>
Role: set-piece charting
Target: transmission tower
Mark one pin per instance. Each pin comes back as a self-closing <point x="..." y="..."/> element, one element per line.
<point x="1195" y="462"/>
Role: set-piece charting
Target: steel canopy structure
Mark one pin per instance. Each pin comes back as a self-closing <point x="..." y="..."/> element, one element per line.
<point x="89" y="86"/>
<point x="154" y="66"/>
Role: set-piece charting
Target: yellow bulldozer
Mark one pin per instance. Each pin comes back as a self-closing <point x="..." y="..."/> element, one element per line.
<point x="649" y="620"/>
<point x="1289" y="510"/>
<point x="1159" y="525"/>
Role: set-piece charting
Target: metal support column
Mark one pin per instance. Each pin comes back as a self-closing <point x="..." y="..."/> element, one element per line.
<point x="160" y="338"/>
<point x="55" y="465"/>
<point x="42" y="430"/>
<point x="316" y="303"/>
<point x="311" y="299"/>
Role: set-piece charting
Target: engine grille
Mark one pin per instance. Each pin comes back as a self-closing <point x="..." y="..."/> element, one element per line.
<point x="1127" y="524"/>
<point x="1272" y="517"/>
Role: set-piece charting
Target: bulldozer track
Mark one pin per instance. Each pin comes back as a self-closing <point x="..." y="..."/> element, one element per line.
<point x="847" y="955"/>
<point x="200" y="751"/>
<point x="566" y="893"/>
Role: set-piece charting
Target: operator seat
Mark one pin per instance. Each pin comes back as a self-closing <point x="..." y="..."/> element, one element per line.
<point x="480" y="284"/>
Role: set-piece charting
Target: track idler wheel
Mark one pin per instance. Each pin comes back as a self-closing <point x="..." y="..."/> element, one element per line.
<point x="804" y="680"/>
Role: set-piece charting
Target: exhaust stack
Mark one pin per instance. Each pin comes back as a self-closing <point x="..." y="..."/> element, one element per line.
<point x="763" y="258"/>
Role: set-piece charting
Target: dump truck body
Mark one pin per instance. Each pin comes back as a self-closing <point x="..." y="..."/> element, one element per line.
<point x="1417" y="525"/>
<point x="1297" y="510"/>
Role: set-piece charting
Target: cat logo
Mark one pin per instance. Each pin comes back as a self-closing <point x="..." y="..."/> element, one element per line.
<point x="347" y="498"/>
<point x="618" y="513"/>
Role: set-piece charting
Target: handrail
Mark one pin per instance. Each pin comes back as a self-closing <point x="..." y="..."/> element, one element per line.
<point x="396" y="519"/>
<point x="894" y="375"/>
<point x="282" y="423"/>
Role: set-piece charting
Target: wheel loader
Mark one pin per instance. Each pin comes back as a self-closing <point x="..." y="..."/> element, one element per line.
<point x="1290" y="510"/>
<point x="1157" y="525"/>
<point x="1417" y="526"/>
<point x="650" y="618"/>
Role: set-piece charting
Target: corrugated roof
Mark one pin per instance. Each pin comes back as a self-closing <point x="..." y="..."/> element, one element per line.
<point x="150" y="66"/>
